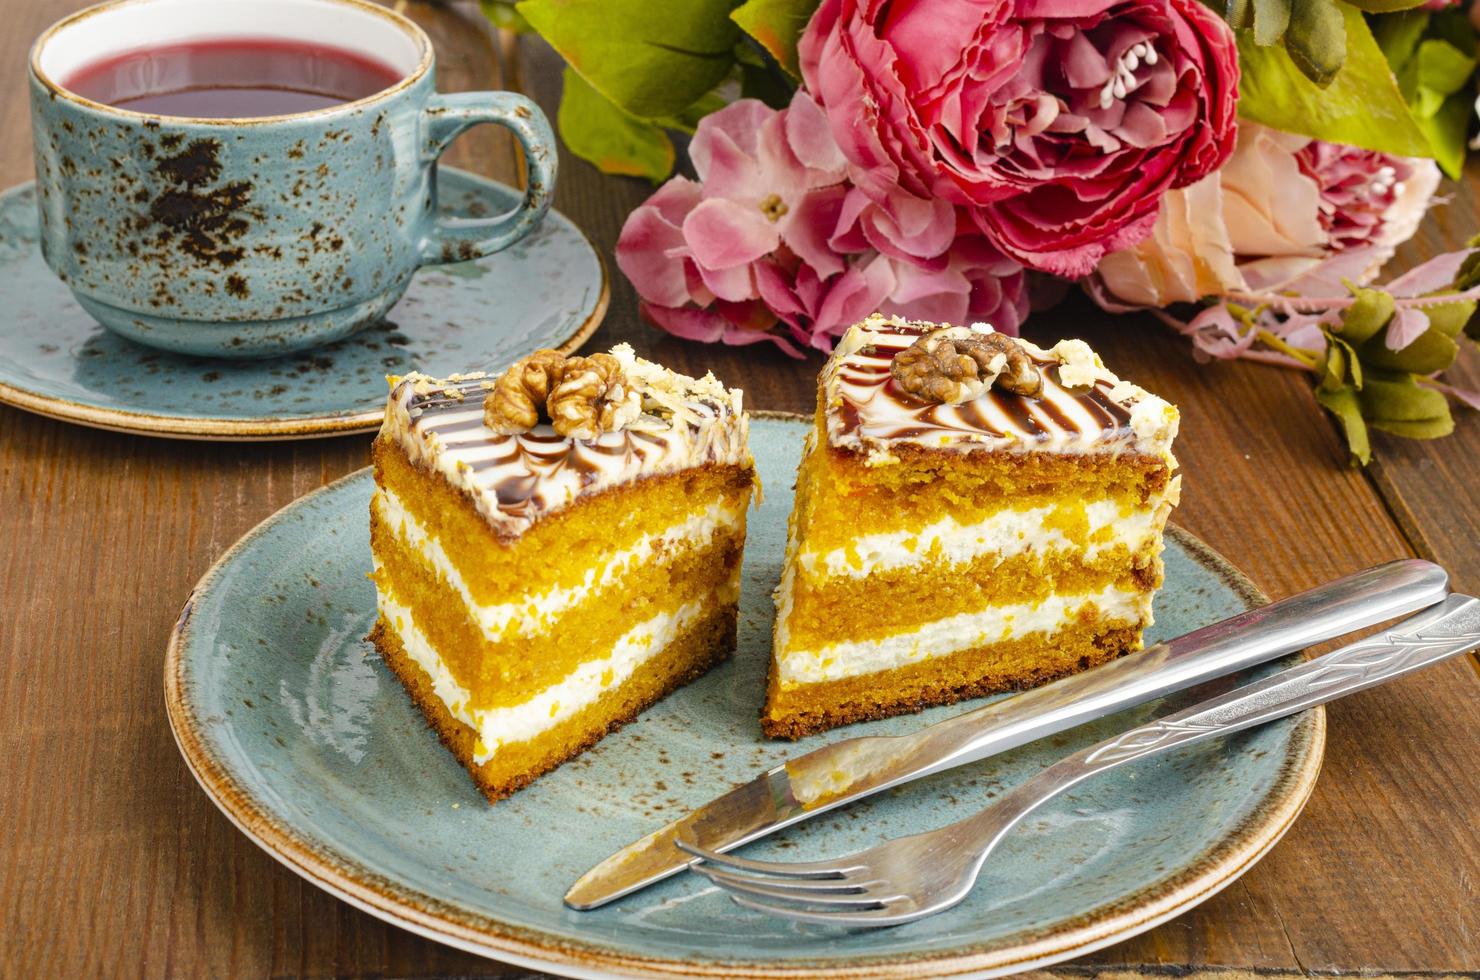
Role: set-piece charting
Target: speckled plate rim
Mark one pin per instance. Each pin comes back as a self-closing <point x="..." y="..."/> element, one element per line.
<point x="228" y="429"/>
<point x="315" y="861"/>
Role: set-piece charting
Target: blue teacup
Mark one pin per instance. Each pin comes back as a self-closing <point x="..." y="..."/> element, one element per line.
<point x="258" y="236"/>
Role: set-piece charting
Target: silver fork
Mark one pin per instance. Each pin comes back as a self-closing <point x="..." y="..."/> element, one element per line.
<point x="911" y="877"/>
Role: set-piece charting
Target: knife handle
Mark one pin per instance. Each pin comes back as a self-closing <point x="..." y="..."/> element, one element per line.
<point x="1326" y="612"/>
<point x="1447" y="630"/>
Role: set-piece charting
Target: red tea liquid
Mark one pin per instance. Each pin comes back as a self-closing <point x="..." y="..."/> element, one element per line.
<point x="232" y="78"/>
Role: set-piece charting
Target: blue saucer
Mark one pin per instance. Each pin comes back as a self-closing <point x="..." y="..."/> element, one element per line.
<point x="549" y="290"/>
<point x="300" y="734"/>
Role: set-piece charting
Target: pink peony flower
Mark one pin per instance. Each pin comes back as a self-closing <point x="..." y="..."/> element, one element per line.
<point x="1281" y="207"/>
<point x="977" y="284"/>
<point x="774" y="244"/>
<point x="1059" y="125"/>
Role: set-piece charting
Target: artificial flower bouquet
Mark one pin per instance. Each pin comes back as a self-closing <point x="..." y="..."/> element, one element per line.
<point x="1241" y="169"/>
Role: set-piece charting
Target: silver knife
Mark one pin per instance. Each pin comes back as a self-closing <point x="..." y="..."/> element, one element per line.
<point x="857" y="767"/>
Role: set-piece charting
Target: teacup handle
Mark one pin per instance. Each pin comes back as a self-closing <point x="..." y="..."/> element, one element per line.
<point x="446" y="117"/>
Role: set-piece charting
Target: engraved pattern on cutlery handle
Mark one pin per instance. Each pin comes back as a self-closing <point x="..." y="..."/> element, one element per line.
<point x="1452" y="628"/>
<point x="1448" y="629"/>
<point x="1334" y="609"/>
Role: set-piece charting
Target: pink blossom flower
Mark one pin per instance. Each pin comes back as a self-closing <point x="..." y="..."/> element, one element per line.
<point x="773" y="243"/>
<point x="1059" y="125"/>
<point x="1282" y="208"/>
<point x="1367" y="197"/>
<point x="770" y="182"/>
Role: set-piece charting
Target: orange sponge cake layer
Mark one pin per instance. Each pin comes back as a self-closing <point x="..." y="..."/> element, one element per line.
<point x="969" y="673"/>
<point x="686" y="657"/>
<point x="503" y="652"/>
<point x="942" y="550"/>
<point x="537" y="590"/>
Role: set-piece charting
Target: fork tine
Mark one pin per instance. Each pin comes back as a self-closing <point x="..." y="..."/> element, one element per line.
<point x="825" y="899"/>
<point x="871" y="918"/>
<point x="813" y="869"/>
<point x="854" y="897"/>
<point x="835" y="885"/>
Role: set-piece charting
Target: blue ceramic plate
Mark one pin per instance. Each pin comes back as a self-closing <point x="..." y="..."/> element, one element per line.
<point x="292" y="725"/>
<point x="549" y="290"/>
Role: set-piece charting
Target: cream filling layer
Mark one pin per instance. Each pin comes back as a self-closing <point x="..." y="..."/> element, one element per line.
<point x="1006" y="533"/>
<point x="533" y="614"/>
<point x="843" y="659"/>
<point x="575" y="692"/>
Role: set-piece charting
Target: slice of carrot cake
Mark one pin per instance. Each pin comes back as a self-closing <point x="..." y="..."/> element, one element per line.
<point x="973" y="514"/>
<point x="555" y="549"/>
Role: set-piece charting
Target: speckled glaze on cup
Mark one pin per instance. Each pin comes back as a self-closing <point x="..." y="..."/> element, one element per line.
<point x="258" y="237"/>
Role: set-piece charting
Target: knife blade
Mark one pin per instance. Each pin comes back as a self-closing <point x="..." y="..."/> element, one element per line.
<point x="854" y="768"/>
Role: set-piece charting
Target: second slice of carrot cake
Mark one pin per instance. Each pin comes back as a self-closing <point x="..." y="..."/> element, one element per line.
<point x="973" y="514"/>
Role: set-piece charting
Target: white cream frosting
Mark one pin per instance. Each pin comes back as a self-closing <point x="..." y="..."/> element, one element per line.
<point x="516" y="479"/>
<point x="533" y="613"/>
<point x="1083" y="407"/>
<point x="1007" y="533"/>
<point x="846" y="658"/>
<point x="580" y="688"/>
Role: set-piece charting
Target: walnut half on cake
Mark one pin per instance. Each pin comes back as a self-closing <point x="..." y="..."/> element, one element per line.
<point x="555" y="549"/>
<point x="973" y="514"/>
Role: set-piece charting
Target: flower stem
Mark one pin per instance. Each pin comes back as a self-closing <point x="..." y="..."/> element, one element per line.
<point x="1309" y="358"/>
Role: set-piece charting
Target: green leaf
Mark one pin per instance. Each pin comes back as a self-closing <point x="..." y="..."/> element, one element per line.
<point x="1433" y="56"/>
<point x="1370" y="311"/>
<point x="617" y="143"/>
<point x="1361" y="106"/>
<point x="1443" y="67"/>
<point x="501" y="14"/>
<point x="1343" y="404"/>
<point x="1385" y="6"/>
<point x="1435" y="428"/>
<point x="652" y="59"/>
<point x="1468" y="275"/>
<point x="1441" y="101"/>
<point x="1397" y="397"/>
<point x="1447" y="131"/>
<point x="1316" y="38"/>
<point x="1351" y="364"/>
<point x="1450" y="318"/>
<point x="1333" y="365"/>
<point x="1431" y="352"/>
<point x="1398" y="37"/>
<point x="1271" y="18"/>
<point x="1238" y="13"/>
<point x="777" y="25"/>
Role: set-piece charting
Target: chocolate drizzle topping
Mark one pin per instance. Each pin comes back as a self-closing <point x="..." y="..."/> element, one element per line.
<point x="867" y="409"/>
<point x="518" y="478"/>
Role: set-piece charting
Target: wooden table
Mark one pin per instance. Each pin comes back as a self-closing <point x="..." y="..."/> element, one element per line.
<point x="113" y="862"/>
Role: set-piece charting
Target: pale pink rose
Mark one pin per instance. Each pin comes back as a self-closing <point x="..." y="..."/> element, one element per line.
<point x="1059" y="125"/>
<point x="1281" y="206"/>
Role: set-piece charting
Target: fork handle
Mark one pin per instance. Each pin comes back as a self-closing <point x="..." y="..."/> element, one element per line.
<point x="1448" y="629"/>
<point x="1326" y="612"/>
